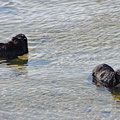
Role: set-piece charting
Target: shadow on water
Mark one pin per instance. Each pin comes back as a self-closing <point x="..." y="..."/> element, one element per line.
<point x="19" y="61"/>
<point x="115" y="93"/>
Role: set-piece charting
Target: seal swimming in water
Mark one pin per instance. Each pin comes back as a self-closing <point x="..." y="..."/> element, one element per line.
<point x="16" y="47"/>
<point x="104" y="75"/>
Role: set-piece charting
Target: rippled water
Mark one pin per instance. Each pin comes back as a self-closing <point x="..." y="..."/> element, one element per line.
<point x="67" y="39"/>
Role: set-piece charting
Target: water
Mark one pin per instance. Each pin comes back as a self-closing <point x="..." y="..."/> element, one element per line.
<point x="67" y="39"/>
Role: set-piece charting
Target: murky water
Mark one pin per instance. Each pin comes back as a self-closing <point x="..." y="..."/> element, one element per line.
<point x="67" y="39"/>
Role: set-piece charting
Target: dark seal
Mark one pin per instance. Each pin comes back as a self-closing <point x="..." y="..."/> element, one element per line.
<point x="16" y="47"/>
<point x="104" y="75"/>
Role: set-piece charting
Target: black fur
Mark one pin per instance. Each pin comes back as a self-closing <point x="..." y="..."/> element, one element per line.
<point x="104" y="75"/>
<point x="16" y="47"/>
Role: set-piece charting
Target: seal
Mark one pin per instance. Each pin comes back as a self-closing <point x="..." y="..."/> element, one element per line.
<point x="104" y="75"/>
<point x="16" y="47"/>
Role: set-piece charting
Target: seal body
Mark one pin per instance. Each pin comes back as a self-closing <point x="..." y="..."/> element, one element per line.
<point x="104" y="75"/>
<point x="16" y="47"/>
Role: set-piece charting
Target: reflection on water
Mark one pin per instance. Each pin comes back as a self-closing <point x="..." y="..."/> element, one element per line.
<point x="19" y="61"/>
<point x="116" y="93"/>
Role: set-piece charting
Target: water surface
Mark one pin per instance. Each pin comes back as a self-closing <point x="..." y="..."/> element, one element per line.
<point x="67" y="39"/>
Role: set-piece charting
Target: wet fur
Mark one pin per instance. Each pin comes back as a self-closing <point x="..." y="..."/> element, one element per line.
<point x="16" y="47"/>
<point x="104" y="75"/>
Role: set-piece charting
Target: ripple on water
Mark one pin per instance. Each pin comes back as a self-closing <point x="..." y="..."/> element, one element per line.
<point x="67" y="39"/>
